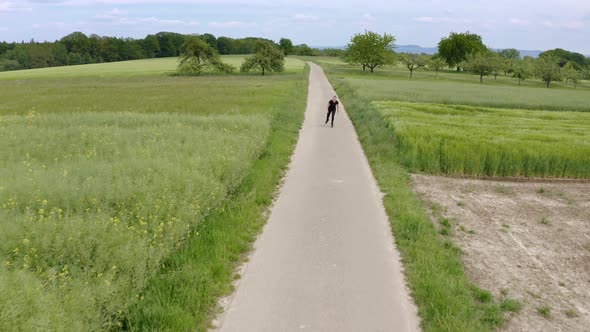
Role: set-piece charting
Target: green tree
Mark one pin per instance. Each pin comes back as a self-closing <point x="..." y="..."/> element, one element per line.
<point x="131" y="50"/>
<point x="523" y="69"/>
<point x="210" y="39"/>
<point x="170" y="43"/>
<point x="75" y="59"/>
<point x="286" y="45"/>
<point x="267" y="58"/>
<point x="333" y="52"/>
<point x="509" y="57"/>
<point x="197" y="55"/>
<point x="151" y="46"/>
<point x="510" y="53"/>
<point x="371" y="50"/>
<point x="303" y="50"/>
<point x="570" y="73"/>
<point x="7" y="64"/>
<point x="40" y="55"/>
<point x="60" y="54"/>
<point x="497" y="64"/>
<point x="4" y="46"/>
<point x="413" y="61"/>
<point x="248" y="45"/>
<point x="21" y="56"/>
<point x="563" y="57"/>
<point x="547" y="69"/>
<point x="77" y="42"/>
<point x="481" y="64"/>
<point x="225" y="45"/>
<point x="458" y="46"/>
<point x="436" y="63"/>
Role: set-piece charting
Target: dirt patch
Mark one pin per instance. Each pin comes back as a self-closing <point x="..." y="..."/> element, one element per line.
<point x="527" y="241"/>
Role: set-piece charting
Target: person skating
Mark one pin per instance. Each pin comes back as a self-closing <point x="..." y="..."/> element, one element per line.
<point x="332" y="109"/>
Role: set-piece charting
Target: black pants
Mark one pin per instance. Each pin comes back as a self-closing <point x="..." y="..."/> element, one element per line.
<point x="333" y="112"/>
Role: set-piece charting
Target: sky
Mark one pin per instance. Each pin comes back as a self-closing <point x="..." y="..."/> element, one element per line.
<point x="521" y="24"/>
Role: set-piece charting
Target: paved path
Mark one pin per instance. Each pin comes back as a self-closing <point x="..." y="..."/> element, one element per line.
<point x="326" y="259"/>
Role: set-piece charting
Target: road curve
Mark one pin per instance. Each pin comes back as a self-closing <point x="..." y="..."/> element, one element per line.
<point x="326" y="260"/>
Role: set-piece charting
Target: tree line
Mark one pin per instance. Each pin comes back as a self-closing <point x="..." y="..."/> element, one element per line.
<point x="78" y="48"/>
<point x="467" y="52"/>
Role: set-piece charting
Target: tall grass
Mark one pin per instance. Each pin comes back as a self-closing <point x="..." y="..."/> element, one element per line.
<point x="91" y="203"/>
<point x="103" y="179"/>
<point x="467" y="140"/>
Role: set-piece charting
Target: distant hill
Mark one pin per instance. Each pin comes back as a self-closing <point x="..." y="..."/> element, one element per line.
<point x="415" y="49"/>
<point x="433" y="50"/>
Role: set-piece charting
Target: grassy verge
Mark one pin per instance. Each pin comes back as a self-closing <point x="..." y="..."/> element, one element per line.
<point x="479" y="141"/>
<point x="446" y="300"/>
<point x="184" y="294"/>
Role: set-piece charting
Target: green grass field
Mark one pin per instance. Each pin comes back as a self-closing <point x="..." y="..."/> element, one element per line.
<point x="105" y="179"/>
<point x="393" y="83"/>
<point x="160" y="66"/>
<point x="469" y="140"/>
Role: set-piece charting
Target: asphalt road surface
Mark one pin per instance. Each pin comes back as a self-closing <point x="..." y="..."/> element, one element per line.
<point x="326" y="260"/>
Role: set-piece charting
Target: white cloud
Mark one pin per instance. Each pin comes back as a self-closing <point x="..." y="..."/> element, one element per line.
<point x="230" y="24"/>
<point x="146" y="2"/>
<point x="116" y="17"/>
<point x="9" y="6"/>
<point x="305" y="18"/>
<point x="52" y="25"/>
<point x="6" y="6"/>
<point x="116" y="12"/>
<point x="369" y="18"/>
<point x="154" y="21"/>
<point x="427" y="19"/>
<point x="442" y="19"/>
<point x="574" y="25"/>
<point x="519" y="21"/>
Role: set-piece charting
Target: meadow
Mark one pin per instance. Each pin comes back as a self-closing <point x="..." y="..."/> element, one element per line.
<point x="134" y="68"/>
<point x="106" y="175"/>
<point x="481" y="141"/>
<point x="459" y="88"/>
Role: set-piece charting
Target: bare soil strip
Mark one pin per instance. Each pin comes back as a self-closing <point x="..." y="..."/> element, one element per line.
<point x="524" y="240"/>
